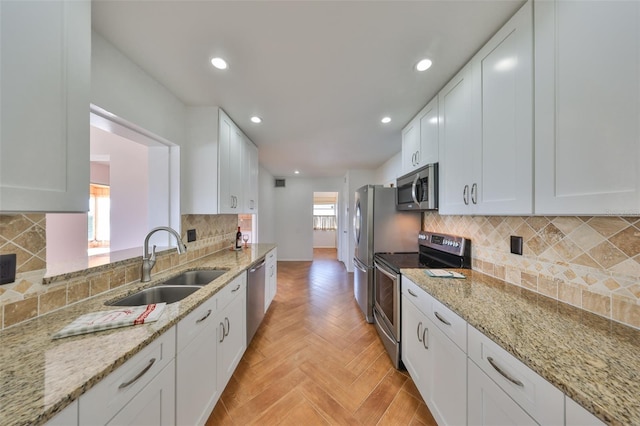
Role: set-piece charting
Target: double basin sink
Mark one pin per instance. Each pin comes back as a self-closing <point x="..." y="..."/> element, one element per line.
<point x="172" y="290"/>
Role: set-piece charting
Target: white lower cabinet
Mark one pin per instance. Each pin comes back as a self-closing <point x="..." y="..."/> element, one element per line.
<point x="575" y="415"/>
<point x="196" y="371"/>
<point x="271" y="281"/>
<point x="232" y="331"/>
<point x="436" y="364"/>
<point x="537" y="397"/>
<point x="154" y="405"/>
<point x="66" y="417"/>
<point x="142" y="387"/>
<point x="489" y="405"/>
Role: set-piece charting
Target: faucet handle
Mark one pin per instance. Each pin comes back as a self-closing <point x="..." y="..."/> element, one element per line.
<point x="153" y="253"/>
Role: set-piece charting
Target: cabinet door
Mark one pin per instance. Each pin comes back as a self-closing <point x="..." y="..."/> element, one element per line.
<point x="250" y="177"/>
<point x="429" y="152"/>
<point x="415" y="355"/>
<point x="196" y="371"/>
<point x="154" y="405"/>
<point x="459" y="147"/>
<point x="232" y="338"/>
<point x="271" y="285"/>
<point x="44" y="107"/>
<point x="505" y="182"/>
<point x="489" y="405"/>
<point x="587" y="91"/>
<point x="575" y="415"/>
<point x="448" y="378"/>
<point x="66" y="417"/>
<point x="225" y="198"/>
<point x="411" y="146"/>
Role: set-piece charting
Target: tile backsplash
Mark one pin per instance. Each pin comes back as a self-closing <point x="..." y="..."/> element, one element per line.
<point x="589" y="262"/>
<point x="28" y="297"/>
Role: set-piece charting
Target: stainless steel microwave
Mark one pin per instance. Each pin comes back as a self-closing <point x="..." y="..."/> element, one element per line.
<point x="418" y="190"/>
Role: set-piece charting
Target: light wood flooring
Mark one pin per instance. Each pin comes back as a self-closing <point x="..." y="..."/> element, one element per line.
<point x="315" y="361"/>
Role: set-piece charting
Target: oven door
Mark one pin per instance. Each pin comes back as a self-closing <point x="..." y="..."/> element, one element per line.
<point x="387" y="299"/>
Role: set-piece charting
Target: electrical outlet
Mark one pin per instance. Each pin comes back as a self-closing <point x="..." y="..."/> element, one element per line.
<point x="191" y="235"/>
<point x="7" y="268"/>
<point x="516" y="245"/>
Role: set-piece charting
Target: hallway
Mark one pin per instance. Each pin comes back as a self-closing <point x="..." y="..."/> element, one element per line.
<point x="314" y="360"/>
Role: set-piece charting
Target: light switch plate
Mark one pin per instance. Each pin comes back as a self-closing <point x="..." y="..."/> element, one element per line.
<point x="516" y="245"/>
<point x="7" y="268"/>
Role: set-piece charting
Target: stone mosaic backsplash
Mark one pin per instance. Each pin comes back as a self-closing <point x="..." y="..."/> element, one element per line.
<point x="28" y="297"/>
<point x="589" y="262"/>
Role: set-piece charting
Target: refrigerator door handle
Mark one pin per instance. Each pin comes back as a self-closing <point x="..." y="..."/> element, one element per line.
<point x="358" y="264"/>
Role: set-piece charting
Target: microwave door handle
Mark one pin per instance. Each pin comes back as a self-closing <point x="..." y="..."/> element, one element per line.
<point x="414" y="189"/>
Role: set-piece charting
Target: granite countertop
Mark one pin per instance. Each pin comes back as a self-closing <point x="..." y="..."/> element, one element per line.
<point x="39" y="376"/>
<point x="593" y="360"/>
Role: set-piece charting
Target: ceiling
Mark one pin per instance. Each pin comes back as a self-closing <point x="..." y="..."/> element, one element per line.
<point x="321" y="74"/>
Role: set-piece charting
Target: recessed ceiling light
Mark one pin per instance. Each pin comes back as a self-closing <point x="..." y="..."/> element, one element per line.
<point x="256" y="119"/>
<point x="423" y="65"/>
<point x="219" y="63"/>
<point x="386" y="120"/>
<point x="297" y="172"/>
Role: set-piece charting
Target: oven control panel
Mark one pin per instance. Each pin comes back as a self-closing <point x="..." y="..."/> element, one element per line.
<point x="444" y="242"/>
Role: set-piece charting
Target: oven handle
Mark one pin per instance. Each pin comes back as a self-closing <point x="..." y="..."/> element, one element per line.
<point x="384" y="271"/>
<point x="382" y="327"/>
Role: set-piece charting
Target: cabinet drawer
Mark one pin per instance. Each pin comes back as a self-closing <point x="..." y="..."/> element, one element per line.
<point x="539" y="398"/>
<point x="417" y="295"/>
<point x="454" y="327"/>
<point x="196" y="321"/>
<point x="230" y="291"/>
<point x="109" y="396"/>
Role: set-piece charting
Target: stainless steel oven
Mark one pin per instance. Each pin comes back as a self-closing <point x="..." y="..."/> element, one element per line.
<point x="386" y="309"/>
<point x="435" y="251"/>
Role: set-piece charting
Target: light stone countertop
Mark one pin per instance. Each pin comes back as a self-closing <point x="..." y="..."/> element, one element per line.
<point x="593" y="360"/>
<point x="39" y="376"/>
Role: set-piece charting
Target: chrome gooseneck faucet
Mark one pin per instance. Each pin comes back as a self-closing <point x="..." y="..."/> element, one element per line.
<point x="148" y="262"/>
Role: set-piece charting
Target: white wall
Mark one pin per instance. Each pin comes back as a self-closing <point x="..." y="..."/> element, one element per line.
<point x="128" y="163"/>
<point x="121" y="87"/>
<point x="266" y="207"/>
<point x="389" y="171"/>
<point x="293" y="214"/>
<point x="66" y="238"/>
<point x="324" y="239"/>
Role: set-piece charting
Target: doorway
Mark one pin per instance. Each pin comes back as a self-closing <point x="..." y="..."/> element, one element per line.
<point x="325" y="225"/>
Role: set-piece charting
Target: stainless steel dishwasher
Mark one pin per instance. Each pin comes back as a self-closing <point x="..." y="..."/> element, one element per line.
<point x="255" y="299"/>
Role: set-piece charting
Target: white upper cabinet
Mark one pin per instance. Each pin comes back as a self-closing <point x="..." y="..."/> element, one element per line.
<point x="587" y="91"/>
<point x="505" y="69"/>
<point x="486" y="122"/>
<point x="44" y="107"/>
<point x="459" y="148"/>
<point x="420" y="139"/>
<point x="219" y="167"/>
<point x="250" y="176"/>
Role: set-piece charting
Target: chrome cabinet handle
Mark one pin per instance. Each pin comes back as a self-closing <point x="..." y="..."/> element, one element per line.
<point x="474" y="193"/>
<point x="228" y="327"/>
<point x="204" y="317"/>
<point x="441" y="318"/>
<point x="504" y="373"/>
<point x="425" y="337"/>
<point x="417" y="158"/>
<point x="236" y="289"/>
<point x="412" y="293"/>
<point x="418" y="331"/>
<point x="221" y="334"/>
<point x="465" y="195"/>
<point x="140" y="374"/>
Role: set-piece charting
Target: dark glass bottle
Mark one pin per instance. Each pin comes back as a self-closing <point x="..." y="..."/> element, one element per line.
<point x="238" y="239"/>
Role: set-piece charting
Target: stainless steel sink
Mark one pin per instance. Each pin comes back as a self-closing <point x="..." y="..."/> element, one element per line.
<point x="157" y="294"/>
<point x="198" y="277"/>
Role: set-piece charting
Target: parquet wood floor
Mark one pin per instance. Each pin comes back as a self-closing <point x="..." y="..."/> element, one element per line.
<point x="315" y="361"/>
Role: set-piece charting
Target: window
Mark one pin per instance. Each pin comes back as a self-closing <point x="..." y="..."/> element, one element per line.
<point x="99" y="219"/>
<point x="324" y="217"/>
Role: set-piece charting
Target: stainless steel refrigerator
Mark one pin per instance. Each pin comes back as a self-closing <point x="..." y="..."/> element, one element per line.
<point x="379" y="227"/>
